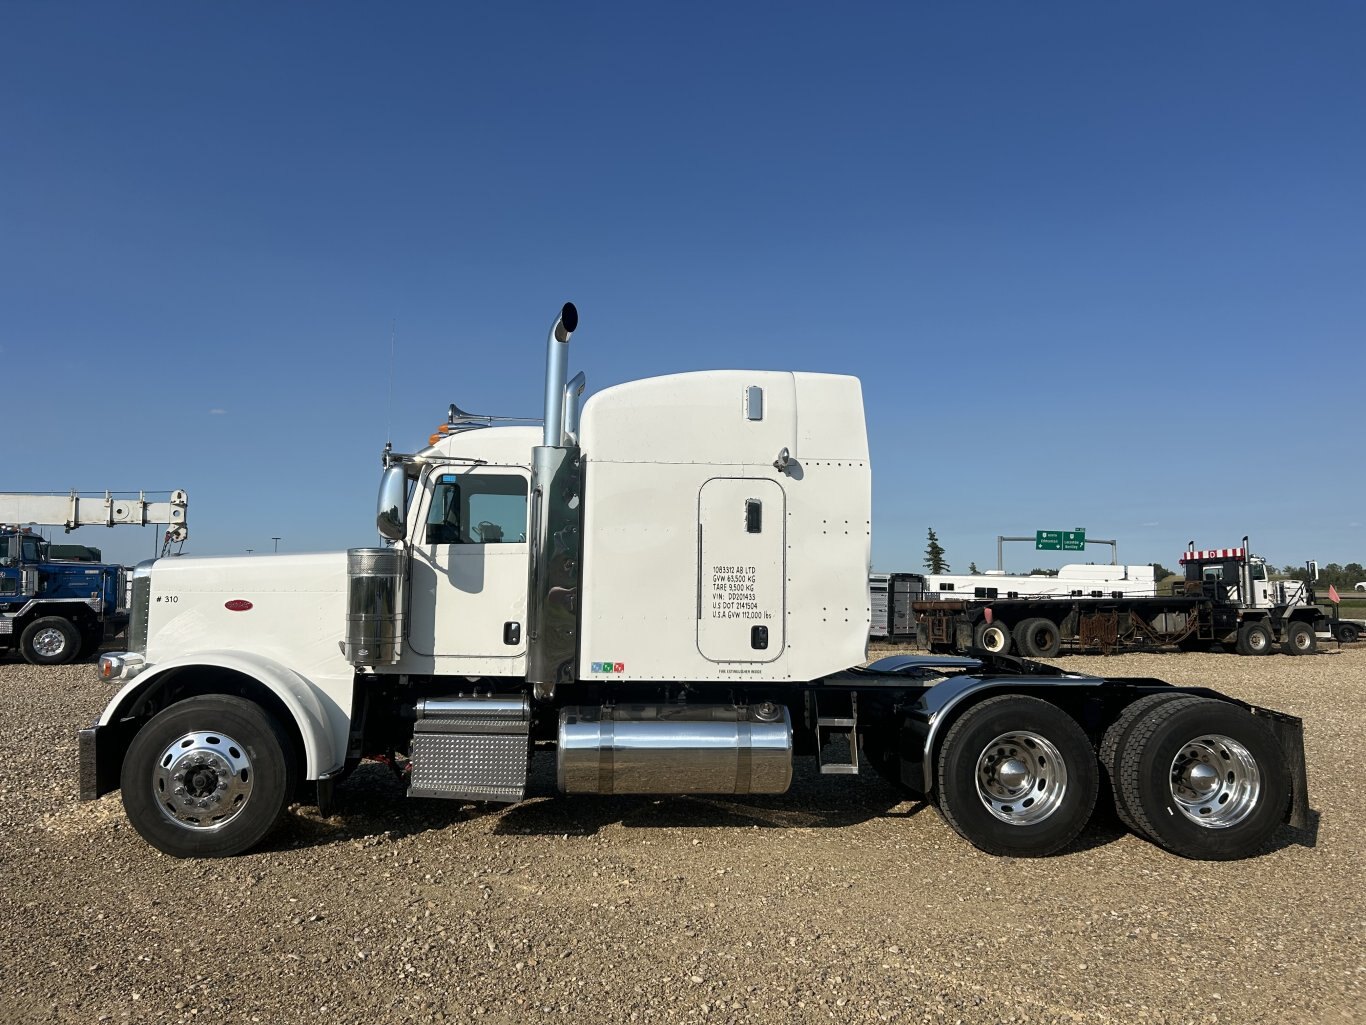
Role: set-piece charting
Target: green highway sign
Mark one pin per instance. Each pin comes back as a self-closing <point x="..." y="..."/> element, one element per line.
<point x="1060" y="540"/>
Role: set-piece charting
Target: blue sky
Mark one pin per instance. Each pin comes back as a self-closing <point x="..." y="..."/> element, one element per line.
<point x="1097" y="265"/>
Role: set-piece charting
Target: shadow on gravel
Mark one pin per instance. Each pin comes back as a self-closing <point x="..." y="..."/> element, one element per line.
<point x="372" y="804"/>
<point x="371" y="808"/>
<point x="814" y="801"/>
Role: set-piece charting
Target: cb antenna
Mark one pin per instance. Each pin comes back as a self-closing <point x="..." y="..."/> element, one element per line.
<point x="389" y="426"/>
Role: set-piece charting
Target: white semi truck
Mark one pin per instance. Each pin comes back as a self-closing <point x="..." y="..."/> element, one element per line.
<point x="667" y="588"/>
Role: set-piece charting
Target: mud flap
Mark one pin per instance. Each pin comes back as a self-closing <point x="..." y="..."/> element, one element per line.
<point x="1289" y="731"/>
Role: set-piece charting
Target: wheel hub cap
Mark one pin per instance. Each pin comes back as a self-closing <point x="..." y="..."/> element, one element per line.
<point x="1202" y="778"/>
<point x="1011" y="773"/>
<point x="1021" y="778"/>
<point x="1215" y="781"/>
<point x="48" y="642"/>
<point x="202" y="780"/>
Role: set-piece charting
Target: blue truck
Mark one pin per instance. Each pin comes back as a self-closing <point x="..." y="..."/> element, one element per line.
<point x="57" y="606"/>
<point x="56" y="611"/>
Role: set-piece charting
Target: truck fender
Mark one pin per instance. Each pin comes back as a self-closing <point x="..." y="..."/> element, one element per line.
<point x="293" y="690"/>
<point x="941" y="701"/>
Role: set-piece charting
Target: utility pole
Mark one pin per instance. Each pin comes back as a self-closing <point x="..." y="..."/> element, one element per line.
<point x="277" y="543"/>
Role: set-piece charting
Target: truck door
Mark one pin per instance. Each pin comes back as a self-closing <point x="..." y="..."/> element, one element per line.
<point x="741" y="585"/>
<point x="469" y="568"/>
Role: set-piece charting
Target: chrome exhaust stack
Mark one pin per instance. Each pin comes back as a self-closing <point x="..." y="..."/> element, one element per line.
<point x="554" y="531"/>
<point x="557" y="371"/>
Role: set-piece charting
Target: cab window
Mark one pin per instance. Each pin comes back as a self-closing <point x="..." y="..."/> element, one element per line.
<point x="477" y="508"/>
<point x="33" y="549"/>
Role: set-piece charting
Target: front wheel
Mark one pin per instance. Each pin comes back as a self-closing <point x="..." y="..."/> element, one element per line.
<point x="1255" y="638"/>
<point x="50" y="641"/>
<point x="1017" y="776"/>
<point x="1347" y="633"/>
<point x="208" y="777"/>
<point x="1205" y="779"/>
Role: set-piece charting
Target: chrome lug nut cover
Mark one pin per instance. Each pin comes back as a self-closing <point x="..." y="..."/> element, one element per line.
<point x="202" y="780"/>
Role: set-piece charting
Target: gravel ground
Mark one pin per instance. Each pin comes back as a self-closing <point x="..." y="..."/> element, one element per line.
<point x="837" y="901"/>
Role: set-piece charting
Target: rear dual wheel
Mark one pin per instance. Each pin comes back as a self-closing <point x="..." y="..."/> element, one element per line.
<point x="992" y="637"/>
<point x="1203" y="778"/>
<point x="1038" y="638"/>
<point x="1017" y="776"/>
<point x="1299" y="639"/>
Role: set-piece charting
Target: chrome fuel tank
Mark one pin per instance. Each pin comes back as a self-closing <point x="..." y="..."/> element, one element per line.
<point x="675" y="749"/>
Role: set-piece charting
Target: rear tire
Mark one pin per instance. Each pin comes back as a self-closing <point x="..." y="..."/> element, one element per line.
<point x="1299" y="639"/>
<point x="1347" y="633"/>
<point x="1113" y="744"/>
<point x="50" y="641"/>
<point x="1038" y="638"/>
<point x="1017" y="776"/>
<point x="1255" y="638"/>
<point x="1205" y="779"/>
<point x="208" y="777"/>
<point x="992" y="637"/>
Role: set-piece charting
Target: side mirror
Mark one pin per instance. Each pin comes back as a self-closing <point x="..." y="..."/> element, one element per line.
<point x="392" y="517"/>
<point x="7" y="561"/>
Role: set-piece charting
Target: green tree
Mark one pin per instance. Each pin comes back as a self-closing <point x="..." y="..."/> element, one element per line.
<point x="972" y="568"/>
<point x="934" y="555"/>
<point x="1161" y="572"/>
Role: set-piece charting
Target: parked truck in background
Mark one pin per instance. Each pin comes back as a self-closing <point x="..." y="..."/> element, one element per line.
<point x="666" y="588"/>
<point x="1226" y="598"/>
<point x="54" y="608"/>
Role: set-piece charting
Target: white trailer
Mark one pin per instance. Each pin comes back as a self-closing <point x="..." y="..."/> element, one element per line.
<point x="666" y="586"/>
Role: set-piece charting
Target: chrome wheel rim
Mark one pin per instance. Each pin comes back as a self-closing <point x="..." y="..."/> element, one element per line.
<point x="202" y="781"/>
<point x="1021" y="778"/>
<point x="1215" y="781"/>
<point x="1257" y="642"/>
<point x="49" y="642"/>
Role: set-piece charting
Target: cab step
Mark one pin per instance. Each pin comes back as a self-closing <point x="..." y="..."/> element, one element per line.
<point x="471" y="748"/>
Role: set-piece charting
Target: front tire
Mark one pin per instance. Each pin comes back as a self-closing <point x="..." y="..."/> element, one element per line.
<point x="1205" y="779"/>
<point x="50" y="641"/>
<point x="1017" y="776"/>
<point x="1255" y="638"/>
<point x="1347" y="633"/>
<point x="208" y="777"/>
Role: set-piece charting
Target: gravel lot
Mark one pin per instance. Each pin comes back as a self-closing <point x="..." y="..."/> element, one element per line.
<point x="836" y="901"/>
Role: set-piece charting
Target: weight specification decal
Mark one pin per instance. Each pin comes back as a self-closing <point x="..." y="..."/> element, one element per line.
<point x="734" y="594"/>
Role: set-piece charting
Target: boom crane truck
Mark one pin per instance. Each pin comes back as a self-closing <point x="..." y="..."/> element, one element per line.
<point x="56" y="610"/>
<point x="665" y="586"/>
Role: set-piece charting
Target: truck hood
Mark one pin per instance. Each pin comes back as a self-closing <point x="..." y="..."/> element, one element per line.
<point x="288" y="607"/>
